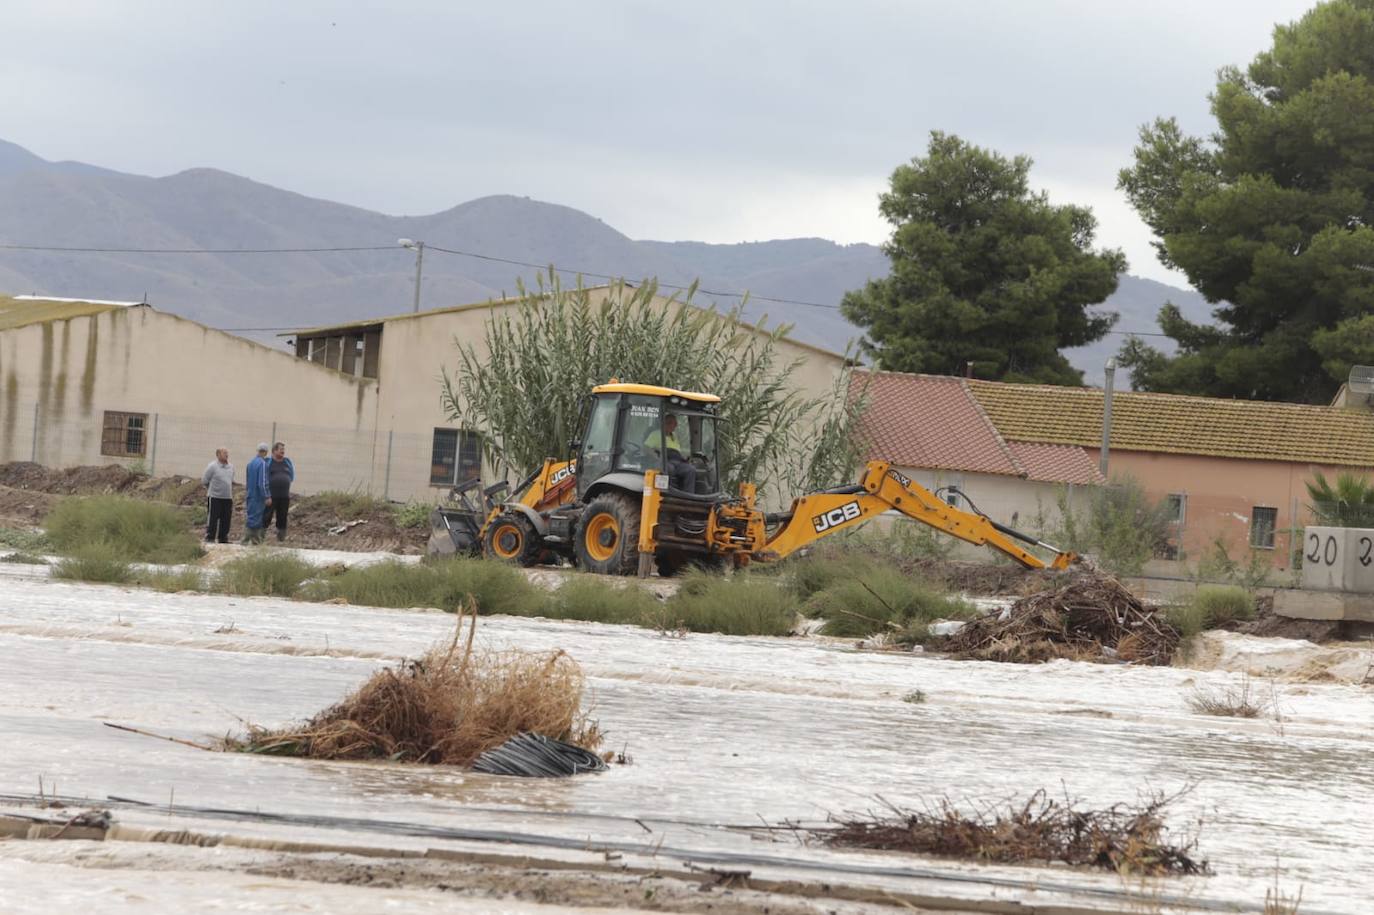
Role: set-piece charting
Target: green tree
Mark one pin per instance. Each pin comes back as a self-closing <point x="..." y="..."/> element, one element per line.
<point x="544" y="355"/>
<point x="1270" y="218"/>
<point x="984" y="270"/>
<point x="1350" y="503"/>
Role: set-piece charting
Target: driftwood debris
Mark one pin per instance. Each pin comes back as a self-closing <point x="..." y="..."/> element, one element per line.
<point x="1125" y="838"/>
<point x="1089" y="617"/>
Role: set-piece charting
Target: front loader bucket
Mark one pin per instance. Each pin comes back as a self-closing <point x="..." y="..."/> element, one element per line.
<point x="454" y="531"/>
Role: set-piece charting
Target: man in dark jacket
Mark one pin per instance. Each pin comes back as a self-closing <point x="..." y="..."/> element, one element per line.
<point x="281" y="473"/>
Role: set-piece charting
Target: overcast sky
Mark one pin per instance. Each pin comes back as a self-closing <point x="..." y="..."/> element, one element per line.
<point x="715" y="121"/>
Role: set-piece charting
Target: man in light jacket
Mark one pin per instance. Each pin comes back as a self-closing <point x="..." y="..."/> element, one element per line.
<point x="219" y="489"/>
<point x="255" y="499"/>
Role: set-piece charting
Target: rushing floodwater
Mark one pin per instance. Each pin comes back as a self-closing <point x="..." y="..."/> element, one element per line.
<point x="721" y="731"/>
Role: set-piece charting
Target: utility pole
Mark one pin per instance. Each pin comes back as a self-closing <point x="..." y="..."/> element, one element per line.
<point x="1110" y="371"/>
<point x="419" y="248"/>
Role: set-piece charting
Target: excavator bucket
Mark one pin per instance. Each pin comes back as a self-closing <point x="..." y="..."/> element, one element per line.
<point x="457" y="527"/>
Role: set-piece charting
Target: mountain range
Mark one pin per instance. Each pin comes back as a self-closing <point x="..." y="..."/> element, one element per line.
<point x="76" y="205"/>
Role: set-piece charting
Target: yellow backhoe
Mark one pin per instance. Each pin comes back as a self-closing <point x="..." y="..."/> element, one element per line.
<point x="642" y="489"/>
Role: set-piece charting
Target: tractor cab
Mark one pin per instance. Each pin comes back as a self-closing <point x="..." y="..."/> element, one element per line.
<point x="633" y="428"/>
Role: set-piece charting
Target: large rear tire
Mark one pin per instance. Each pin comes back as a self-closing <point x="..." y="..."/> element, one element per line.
<point x="511" y="538"/>
<point x="607" y="537"/>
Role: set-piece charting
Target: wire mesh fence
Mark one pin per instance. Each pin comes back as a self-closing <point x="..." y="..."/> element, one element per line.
<point x="399" y="465"/>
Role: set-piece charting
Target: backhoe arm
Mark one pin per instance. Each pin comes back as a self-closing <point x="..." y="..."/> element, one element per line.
<point x="882" y="488"/>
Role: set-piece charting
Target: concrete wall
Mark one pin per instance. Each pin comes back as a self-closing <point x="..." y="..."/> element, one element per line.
<point x="1022" y="504"/>
<point x="1221" y="494"/>
<point x="200" y="388"/>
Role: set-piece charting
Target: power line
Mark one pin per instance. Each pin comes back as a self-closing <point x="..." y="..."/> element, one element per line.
<point x="67" y="250"/>
<point x="453" y="251"/>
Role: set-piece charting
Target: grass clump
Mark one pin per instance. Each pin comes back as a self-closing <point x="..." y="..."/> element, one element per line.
<point x="133" y="530"/>
<point x="413" y="515"/>
<point x="598" y="600"/>
<point x="1211" y="606"/>
<point x="275" y="574"/>
<point x="741" y="604"/>
<point x="883" y="600"/>
<point x="1236" y="701"/>
<point x="172" y="581"/>
<point x="447" y="708"/>
<point x="22" y="558"/>
<point x="446" y="584"/>
<point x="95" y="562"/>
<point x="347" y="506"/>
<point x="23" y="540"/>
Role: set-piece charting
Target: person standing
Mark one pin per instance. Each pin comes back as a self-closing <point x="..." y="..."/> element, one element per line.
<point x="281" y="473"/>
<point x="255" y="500"/>
<point x="219" y="490"/>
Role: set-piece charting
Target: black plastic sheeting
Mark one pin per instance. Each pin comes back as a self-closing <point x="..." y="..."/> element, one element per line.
<point x="537" y="756"/>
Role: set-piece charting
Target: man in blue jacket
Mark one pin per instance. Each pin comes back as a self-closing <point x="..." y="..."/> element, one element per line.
<point x="255" y="499"/>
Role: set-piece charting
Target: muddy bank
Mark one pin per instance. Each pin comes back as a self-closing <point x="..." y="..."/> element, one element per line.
<point x="28" y="492"/>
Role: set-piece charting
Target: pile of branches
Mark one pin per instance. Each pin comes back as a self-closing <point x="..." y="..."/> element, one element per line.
<point x="1127" y="839"/>
<point x="447" y="708"/>
<point x="1089" y="617"/>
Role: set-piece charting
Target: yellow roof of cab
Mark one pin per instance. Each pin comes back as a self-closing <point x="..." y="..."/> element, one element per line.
<point x="653" y="390"/>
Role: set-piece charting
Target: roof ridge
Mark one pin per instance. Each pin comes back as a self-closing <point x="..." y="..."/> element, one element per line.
<point x="996" y="433"/>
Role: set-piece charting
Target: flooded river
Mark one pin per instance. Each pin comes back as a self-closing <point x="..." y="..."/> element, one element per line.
<point x="722" y="732"/>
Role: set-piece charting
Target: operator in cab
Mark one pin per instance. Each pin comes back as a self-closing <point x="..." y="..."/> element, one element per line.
<point x="682" y="474"/>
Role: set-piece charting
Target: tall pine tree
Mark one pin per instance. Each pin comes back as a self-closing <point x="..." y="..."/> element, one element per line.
<point x="1270" y="218"/>
<point x="983" y="270"/>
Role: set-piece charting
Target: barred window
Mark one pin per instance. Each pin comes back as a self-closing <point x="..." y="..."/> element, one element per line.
<point x="122" y="434"/>
<point x="1262" y="524"/>
<point x="456" y="457"/>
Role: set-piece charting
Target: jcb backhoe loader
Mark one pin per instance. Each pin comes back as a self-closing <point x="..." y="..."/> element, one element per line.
<point x="642" y="489"/>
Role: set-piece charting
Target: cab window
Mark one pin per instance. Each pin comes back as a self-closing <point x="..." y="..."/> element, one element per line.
<point x="643" y="416"/>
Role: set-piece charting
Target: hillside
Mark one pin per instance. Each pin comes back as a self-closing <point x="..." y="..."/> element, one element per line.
<point x="71" y="204"/>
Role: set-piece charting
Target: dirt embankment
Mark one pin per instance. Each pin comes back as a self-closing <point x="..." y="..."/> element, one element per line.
<point x="29" y="491"/>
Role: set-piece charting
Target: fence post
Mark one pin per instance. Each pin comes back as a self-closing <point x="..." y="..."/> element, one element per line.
<point x="33" y="452"/>
<point x="272" y="442"/>
<point x="152" y="452"/>
<point x="386" y="483"/>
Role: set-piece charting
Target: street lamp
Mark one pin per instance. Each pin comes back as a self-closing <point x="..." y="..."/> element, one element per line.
<point x="419" y="248"/>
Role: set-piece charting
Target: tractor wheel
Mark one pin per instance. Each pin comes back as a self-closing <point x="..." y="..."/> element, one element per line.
<point x="511" y="538"/>
<point x="608" y="535"/>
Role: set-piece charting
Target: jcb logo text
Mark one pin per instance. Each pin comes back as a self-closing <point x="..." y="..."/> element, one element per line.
<point x="835" y="517"/>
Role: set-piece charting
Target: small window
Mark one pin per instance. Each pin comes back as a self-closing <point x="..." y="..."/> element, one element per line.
<point x="1177" y="505"/>
<point x="123" y="434"/>
<point x="456" y="457"/>
<point x="1262" y="524"/>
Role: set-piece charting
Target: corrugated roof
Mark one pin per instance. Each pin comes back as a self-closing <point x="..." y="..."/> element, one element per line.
<point x="21" y="311"/>
<point x="1175" y="424"/>
<point x="934" y="422"/>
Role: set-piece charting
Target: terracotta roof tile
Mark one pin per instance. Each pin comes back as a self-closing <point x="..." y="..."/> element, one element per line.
<point x="1056" y="463"/>
<point x="1257" y="430"/>
<point x="929" y="421"/>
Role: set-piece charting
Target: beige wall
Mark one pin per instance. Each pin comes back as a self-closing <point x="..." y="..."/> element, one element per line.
<point x="1018" y="503"/>
<point x="416" y="349"/>
<point x="1221" y="494"/>
<point x="199" y="387"/>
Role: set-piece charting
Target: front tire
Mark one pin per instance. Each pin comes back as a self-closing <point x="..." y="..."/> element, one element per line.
<point x="608" y="535"/>
<point x="511" y="538"/>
